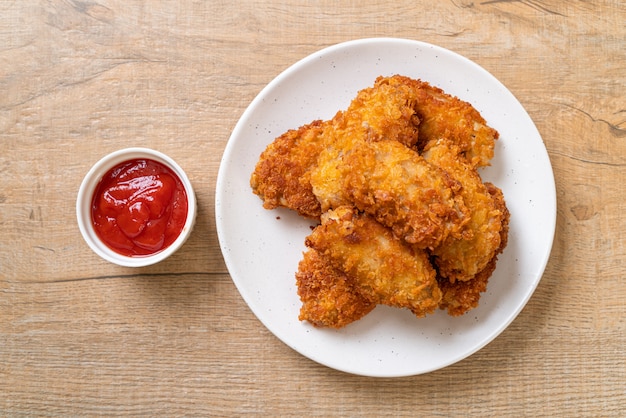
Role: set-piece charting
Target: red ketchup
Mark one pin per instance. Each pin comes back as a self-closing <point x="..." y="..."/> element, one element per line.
<point x="139" y="207"/>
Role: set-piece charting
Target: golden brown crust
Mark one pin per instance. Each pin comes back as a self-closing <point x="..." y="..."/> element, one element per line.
<point x="395" y="185"/>
<point x="462" y="257"/>
<point x="384" y="269"/>
<point x="445" y="116"/>
<point x="329" y="298"/>
<point x="417" y="200"/>
<point x="459" y="297"/>
<point x="281" y="178"/>
<point x="382" y="112"/>
<point x="396" y="108"/>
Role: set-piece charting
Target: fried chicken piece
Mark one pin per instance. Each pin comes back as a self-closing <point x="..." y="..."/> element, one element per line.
<point x="329" y="298"/>
<point x="385" y="111"/>
<point x="417" y="200"/>
<point x="444" y="116"/>
<point x="281" y="176"/>
<point x="461" y="258"/>
<point x="459" y="297"/>
<point x="384" y="269"/>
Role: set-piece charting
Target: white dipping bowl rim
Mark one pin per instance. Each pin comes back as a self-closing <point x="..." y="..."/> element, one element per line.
<point x="85" y="197"/>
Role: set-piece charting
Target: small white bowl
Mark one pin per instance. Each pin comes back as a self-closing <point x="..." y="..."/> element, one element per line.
<point x="85" y="196"/>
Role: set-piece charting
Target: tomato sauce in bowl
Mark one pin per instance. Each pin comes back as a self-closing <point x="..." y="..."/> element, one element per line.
<point x="139" y="207"/>
<point x="135" y="207"/>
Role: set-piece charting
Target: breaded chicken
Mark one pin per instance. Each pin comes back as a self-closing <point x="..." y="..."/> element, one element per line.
<point x="461" y="258"/>
<point x="329" y="298"/>
<point x="444" y="116"/>
<point x="391" y="110"/>
<point x="331" y="301"/>
<point x="281" y="176"/>
<point x="382" y="203"/>
<point x="417" y="200"/>
<point x="459" y="297"/>
<point x="384" y="112"/>
<point x="384" y="270"/>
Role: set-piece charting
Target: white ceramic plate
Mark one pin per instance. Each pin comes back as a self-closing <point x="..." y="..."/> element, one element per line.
<point x="262" y="248"/>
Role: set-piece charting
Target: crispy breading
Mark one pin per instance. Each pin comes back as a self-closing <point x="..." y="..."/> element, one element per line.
<point x="444" y="116"/>
<point x="329" y="298"/>
<point x="462" y="257"/>
<point x="459" y="297"/>
<point x="391" y="110"/>
<point x="385" y="270"/>
<point x="385" y="111"/>
<point x="281" y="176"/>
<point x="417" y="200"/>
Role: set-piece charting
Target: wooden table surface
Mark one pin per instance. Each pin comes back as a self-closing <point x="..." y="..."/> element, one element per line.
<point x="80" y="336"/>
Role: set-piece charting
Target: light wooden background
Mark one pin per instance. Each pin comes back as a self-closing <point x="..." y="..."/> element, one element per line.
<point x="79" y="336"/>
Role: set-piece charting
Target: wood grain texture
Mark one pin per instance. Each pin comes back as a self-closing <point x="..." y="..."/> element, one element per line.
<point x="79" y="336"/>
